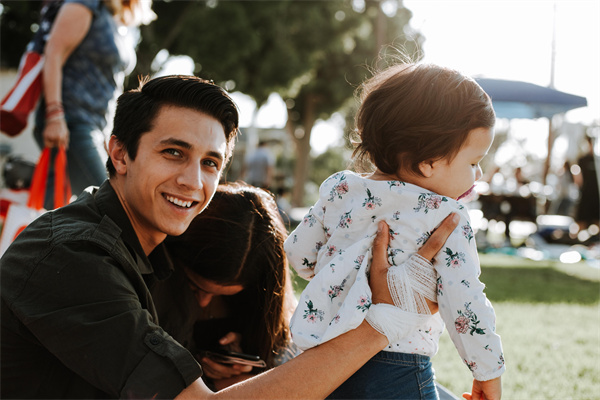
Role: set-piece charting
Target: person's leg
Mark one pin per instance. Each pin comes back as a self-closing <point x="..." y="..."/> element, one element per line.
<point x="86" y="157"/>
<point x="391" y="376"/>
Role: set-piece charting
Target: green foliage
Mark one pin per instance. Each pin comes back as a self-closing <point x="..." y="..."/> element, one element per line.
<point x="17" y="20"/>
<point x="247" y="42"/>
<point x="334" y="159"/>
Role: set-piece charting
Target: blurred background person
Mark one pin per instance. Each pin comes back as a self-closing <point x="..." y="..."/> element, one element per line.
<point x="259" y="166"/>
<point x="588" y="208"/>
<point x="90" y="49"/>
<point x="231" y="287"/>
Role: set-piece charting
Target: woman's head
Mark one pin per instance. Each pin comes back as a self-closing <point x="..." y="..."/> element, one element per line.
<point x="236" y="245"/>
<point x="237" y="240"/>
<point x="413" y="113"/>
<point x="131" y="12"/>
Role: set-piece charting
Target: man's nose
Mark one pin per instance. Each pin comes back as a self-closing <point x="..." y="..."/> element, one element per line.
<point x="191" y="176"/>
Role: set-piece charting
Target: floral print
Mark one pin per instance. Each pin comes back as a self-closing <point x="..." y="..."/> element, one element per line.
<point x="454" y="259"/>
<point x="392" y="253"/>
<point x="334" y="291"/>
<point x="472" y="365"/>
<point x="339" y="190"/>
<point x="364" y="302"/>
<point x="371" y="201"/>
<point x="429" y="201"/>
<point x="467" y="232"/>
<point x="359" y="260"/>
<point x="309" y="219"/>
<point x="331" y="249"/>
<point x="424" y="237"/>
<point x="467" y="321"/>
<point x="308" y="264"/>
<point x="394" y="184"/>
<point x="311" y="314"/>
<point x="345" y="220"/>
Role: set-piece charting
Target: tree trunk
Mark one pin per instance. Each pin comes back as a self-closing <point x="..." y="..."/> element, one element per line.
<point x="303" y="152"/>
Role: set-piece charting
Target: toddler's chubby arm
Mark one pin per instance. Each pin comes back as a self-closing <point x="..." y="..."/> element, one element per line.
<point x="466" y="311"/>
<point x="303" y="243"/>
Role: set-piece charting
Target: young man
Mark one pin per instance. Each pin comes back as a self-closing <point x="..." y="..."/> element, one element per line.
<point x="77" y="318"/>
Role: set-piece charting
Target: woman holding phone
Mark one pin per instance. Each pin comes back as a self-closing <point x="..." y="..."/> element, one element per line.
<point x="230" y="289"/>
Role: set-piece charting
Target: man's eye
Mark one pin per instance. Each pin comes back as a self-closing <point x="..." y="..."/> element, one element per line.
<point x="211" y="163"/>
<point x="173" y="152"/>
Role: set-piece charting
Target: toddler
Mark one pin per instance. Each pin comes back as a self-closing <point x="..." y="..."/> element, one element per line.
<point x="425" y="130"/>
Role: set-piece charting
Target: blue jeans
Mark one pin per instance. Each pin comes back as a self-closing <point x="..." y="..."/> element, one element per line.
<point x="391" y="376"/>
<point x="86" y="158"/>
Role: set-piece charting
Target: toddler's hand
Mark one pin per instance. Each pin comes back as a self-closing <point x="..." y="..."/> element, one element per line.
<point x="485" y="390"/>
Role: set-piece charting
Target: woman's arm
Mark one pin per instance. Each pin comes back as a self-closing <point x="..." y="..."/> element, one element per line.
<point x="70" y="27"/>
<point x="320" y="370"/>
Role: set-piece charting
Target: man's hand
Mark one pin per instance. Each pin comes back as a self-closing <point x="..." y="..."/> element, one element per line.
<point x="485" y="390"/>
<point x="379" y="264"/>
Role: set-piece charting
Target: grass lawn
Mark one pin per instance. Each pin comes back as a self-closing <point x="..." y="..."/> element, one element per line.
<point x="548" y="315"/>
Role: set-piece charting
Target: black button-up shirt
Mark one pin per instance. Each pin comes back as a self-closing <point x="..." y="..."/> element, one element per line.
<point x="77" y="318"/>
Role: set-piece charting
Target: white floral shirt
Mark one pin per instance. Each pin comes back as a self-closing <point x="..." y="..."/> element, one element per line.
<point x="331" y="247"/>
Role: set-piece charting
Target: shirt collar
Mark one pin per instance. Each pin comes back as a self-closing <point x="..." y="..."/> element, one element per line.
<point x="159" y="261"/>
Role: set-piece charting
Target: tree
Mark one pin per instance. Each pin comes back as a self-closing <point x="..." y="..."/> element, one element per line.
<point x="348" y="42"/>
<point x="18" y="21"/>
<point x="238" y="44"/>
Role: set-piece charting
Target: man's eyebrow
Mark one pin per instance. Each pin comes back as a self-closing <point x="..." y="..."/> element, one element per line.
<point x="176" y="142"/>
<point x="217" y="155"/>
<point x="188" y="146"/>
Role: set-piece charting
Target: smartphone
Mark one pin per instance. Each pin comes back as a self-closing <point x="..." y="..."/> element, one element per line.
<point x="231" y="357"/>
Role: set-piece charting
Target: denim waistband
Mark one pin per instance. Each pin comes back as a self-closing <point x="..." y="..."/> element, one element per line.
<point x="401" y="358"/>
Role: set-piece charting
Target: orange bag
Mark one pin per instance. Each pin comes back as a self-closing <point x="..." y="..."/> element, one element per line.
<point x="19" y="216"/>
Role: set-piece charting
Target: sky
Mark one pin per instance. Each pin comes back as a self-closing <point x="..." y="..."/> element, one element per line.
<point x="508" y="39"/>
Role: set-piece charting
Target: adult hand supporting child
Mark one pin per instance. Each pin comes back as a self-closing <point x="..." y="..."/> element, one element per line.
<point x="380" y="265"/>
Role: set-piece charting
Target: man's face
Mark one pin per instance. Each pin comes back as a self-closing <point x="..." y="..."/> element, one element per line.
<point x="174" y="175"/>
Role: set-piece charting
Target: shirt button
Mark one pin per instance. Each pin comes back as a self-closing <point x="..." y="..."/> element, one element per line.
<point x="154" y="340"/>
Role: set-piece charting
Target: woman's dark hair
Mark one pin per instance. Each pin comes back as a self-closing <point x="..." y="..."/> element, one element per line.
<point x="411" y="113"/>
<point x="238" y="240"/>
<point x="137" y="109"/>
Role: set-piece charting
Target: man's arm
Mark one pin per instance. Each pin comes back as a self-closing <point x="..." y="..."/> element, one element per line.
<point x="327" y="366"/>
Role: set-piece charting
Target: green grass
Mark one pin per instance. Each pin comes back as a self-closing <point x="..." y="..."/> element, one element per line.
<point x="548" y="315"/>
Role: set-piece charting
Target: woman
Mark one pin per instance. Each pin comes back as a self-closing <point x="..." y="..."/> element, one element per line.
<point x="230" y="287"/>
<point x="90" y="49"/>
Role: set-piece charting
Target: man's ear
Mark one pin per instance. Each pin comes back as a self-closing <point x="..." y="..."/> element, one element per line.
<point x="118" y="155"/>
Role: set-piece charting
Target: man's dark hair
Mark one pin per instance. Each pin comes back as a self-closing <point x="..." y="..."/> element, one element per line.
<point x="138" y="108"/>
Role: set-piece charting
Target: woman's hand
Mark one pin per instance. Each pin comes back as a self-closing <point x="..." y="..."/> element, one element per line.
<point x="56" y="133"/>
<point x="70" y="27"/>
<point x="232" y="342"/>
<point x="216" y="370"/>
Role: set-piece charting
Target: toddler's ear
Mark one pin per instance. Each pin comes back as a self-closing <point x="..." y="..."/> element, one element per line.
<point x="426" y="168"/>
